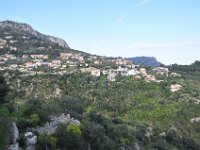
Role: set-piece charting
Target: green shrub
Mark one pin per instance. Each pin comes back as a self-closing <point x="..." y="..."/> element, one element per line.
<point x="73" y="130"/>
<point x="35" y="119"/>
<point x="52" y="142"/>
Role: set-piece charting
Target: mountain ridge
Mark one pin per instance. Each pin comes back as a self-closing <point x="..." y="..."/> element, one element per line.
<point x="27" y="28"/>
<point x="146" y="61"/>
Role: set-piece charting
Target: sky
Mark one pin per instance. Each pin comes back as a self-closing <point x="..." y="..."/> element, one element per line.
<point x="166" y="29"/>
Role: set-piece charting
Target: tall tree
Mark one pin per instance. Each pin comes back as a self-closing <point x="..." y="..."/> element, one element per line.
<point x="3" y="89"/>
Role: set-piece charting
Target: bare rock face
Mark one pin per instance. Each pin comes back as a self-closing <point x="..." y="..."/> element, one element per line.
<point x="14" y="133"/>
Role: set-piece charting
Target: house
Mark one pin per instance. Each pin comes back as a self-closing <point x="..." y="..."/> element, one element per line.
<point x="174" y="74"/>
<point x="111" y="76"/>
<point x="143" y="72"/>
<point x="25" y="37"/>
<point x="2" y="46"/>
<point x="3" y="58"/>
<point x="150" y="78"/>
<point x="105" y="72"/>
<point x="45" y="64"/>
<point x="39" y="56"/>
<point x="8" y="37"/>
<point x="133" y="72"/>
<point x="10" y="56"/>
<point x="175" y="87"/>
<point x="161" y="71"/>
<point x="12" y="48"/>
<point x="13" y="66"/>
<point x="12" y="41"/>
<point x="93" y="71"/>
<point x="30" y="64"/>
<point x="65" y="55"/>
<point x="38" y="60"/>
<point x="2" y="41"/>
<point x="121" y="71"/>
<point x="55" y="63"/>
<point x="97" y="62"/>
<point x="25" y="56"/>
<point x="137" y="77"/>
<point x="121" y="61"/>
<point x="41" y="48"/>
<point x="76" y="56"/>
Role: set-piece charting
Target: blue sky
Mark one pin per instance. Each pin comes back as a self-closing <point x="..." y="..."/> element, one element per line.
<point x="166" y="29"/>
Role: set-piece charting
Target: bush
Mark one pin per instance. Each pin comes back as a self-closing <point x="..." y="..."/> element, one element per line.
<point x="35" y="119"/>
<point x="52" y="141"/>
<point x="73" y="130"/>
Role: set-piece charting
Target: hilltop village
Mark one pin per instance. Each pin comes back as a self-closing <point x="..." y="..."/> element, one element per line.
<point x="69" y="62"/>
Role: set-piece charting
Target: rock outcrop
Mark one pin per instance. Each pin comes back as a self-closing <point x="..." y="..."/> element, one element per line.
<point x="14" y="136"/>
<point x="14" y="133"/>
<point x="52" y="126"/>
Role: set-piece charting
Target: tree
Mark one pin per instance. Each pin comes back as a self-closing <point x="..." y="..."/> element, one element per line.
<point x="3" y="89"/>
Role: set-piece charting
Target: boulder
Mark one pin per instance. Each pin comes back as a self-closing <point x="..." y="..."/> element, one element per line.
<point x="14" y="133"/>
<point x="30" y="138"/>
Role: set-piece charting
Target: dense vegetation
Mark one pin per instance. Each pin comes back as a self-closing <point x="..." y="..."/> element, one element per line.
<point x="125" y="114"/>
<point x="3" y="112"/>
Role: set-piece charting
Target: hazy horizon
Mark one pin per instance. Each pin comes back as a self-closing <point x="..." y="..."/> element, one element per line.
<point x="168" y="30"/>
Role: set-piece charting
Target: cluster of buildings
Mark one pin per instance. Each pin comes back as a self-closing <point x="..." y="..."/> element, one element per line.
<point x="161" y="71"/>
<point x="125" y="71"/>
<point x="33" y="63"/>
<point x="93" y="71"/>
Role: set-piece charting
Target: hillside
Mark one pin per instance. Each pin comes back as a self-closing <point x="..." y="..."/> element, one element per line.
<point x="25" y="29"/>
<point x="146" y="61"/>
<point x="55" y="97"/>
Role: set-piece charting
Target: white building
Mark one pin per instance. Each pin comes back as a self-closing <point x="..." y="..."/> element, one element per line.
<point x="175" y="87"/>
